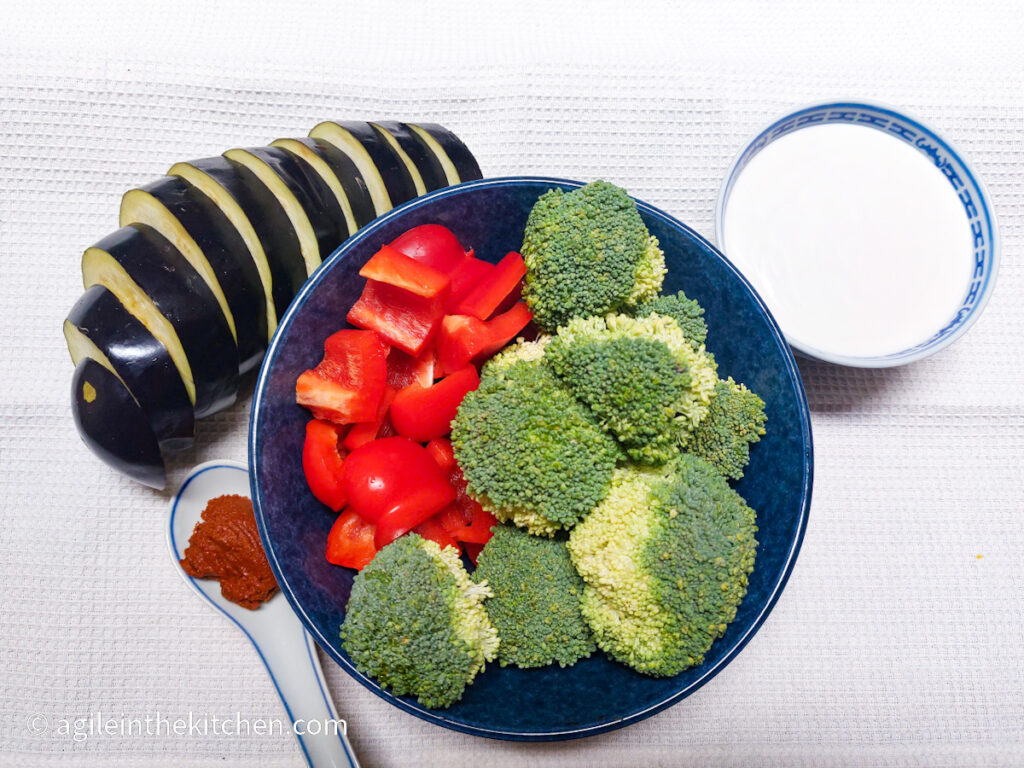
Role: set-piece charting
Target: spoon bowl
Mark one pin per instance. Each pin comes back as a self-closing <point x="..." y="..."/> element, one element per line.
<point x="283" y="645"/>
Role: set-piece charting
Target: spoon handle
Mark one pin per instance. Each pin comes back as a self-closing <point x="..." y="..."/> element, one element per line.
<point x="290" y="658"/>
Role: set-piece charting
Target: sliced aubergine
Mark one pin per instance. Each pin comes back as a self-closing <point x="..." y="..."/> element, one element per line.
<point x="423" y="165"/>
<point x="157" y="285"/>
<point x="99" y="327"/>
<point x="260" y="220"/>
<point x="114" y="426"/>
<point x="323" y="170"/>
<point x="345" y="173"/>
<point x="310" y="204"/>
<point x="386" y="176"/>
<point x="456" y="159"/>
<point x="203" y="234"/>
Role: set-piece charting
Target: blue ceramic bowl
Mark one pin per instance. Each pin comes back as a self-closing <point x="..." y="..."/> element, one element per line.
<point x="596" y="694"/>
<point x="973" y="197"/>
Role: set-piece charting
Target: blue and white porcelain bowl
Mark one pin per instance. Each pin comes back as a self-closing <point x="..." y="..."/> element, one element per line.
<point x="975" y="202"/>
<point x="596" y="694"/>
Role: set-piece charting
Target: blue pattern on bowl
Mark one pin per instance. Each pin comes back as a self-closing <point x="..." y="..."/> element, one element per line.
<point x="964" y="181"/>
<point x="596" y="694"/>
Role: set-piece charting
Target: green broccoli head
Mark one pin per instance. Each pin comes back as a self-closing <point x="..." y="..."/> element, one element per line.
<point x="529" y="451"/>
<point x="640" y="377"/>
<point x="587" y="252"/>
<point x="666" y="558"/>
<point x="686" y="312"/>
<point x="415" y="622"/>
<point x="734" y="422"/>
<point x="536" y="603"/>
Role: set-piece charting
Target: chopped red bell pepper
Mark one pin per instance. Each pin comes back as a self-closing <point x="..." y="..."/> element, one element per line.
<point x="433" y="245"/>
<point x="402" y="318"/>
<point x="404" y="369"/>
<point x="479" y="530"/>
<point x="365" y="431"/>
<point x="347" y="385"/>
<point x="454" y="517"/>
<point x="395" y="484"/>
<point x="487" y="295"/>
<point x="350" y="542"/>
<point x="395" y="268"/>
<point x="441" y="449"/>
<point x="424" y="413"/>
<point x="466" y="277"/>
<point x="322" y="462"/>
<point x="431" y="529"/>
<point x="473" y="551"/>
<point x="464" y="337"/>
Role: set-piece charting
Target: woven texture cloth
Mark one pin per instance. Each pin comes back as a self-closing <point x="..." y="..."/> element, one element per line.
<point x="900" y="637"/>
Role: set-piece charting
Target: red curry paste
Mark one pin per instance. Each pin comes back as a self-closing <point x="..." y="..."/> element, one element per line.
<point x="225" y="545"/>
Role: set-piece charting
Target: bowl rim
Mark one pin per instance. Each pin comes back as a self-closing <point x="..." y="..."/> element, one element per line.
<point x="927" y="347"/>
<point x="437" y="716"/>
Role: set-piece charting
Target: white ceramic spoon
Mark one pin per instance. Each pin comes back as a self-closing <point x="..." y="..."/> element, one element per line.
<point x="284" y="646"/>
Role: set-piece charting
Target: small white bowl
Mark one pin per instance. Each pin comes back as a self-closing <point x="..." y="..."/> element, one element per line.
<point x="974" y="200"/>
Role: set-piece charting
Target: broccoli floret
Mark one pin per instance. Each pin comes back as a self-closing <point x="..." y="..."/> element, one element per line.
<point x="415" y="622"/>
<point x="666" y="558"/>
<point x="588" y="252"/>
<point x="734" y="422"/>
<point x="686" y="312"/>
<point x="536" y="603"/>
<point x="529" y="451"/>
<point x="640" y="377"/>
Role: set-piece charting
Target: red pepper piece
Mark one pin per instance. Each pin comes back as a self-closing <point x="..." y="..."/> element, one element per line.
<point x="404" y="369"/>
<point x="503" y="328"/>
<point x="433" y="245"/>
<point x="424" y="413"/>
<point x="473" y="551"/>
<point x="394" y="483"/>
<point x="466" y="277"/>
<point x="479" y="530"/>
<point x="433" y="530"/>
<point x="348" y="383"/>
<point x="322" y="462"/>
<point x="402" y="318"/>
<point x="487" y="295"/>
<point x="350" y="542"/>
<point x="441" y="449"/>
<point x="464" y="337"/>
<point x="395" y="268"/>
<point x="365" y="431"/>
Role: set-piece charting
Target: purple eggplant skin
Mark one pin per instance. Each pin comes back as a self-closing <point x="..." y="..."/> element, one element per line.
<point x="113" y="425"/>
<point x="458" y="153"/>
<point x="229" y="258"/>
<point x="425" y="161"/>
<point x="141" y="362"/>
<point x="270" y="222"/>
<point x="182" y="296"/>
<point x="349" y="177"/>
<point x="313" y="194"/>
<point x="397" y="180"/>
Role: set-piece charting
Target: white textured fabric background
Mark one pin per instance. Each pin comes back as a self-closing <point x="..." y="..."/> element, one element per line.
<point x="900" y="638"/>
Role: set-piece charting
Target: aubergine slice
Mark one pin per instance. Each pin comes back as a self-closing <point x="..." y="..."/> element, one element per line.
<point x="204" y="235"/>
<point x="100" y="328"/>
<point x="310" y="204"/>
<point x="386" y="176"/>
<point x="423" y="165"/>
<point x="317" y="163"/>
<point x="158" y="286"/>
<point x="345" y="173"/>
<point x="114" y="426"/>
<point x="261" y="222"/>
<point x="456" y="159"/>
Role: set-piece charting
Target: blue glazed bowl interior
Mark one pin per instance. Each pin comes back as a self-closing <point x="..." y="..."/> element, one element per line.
<point x="596" y="694"/>
<point x="965" y="182"/>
